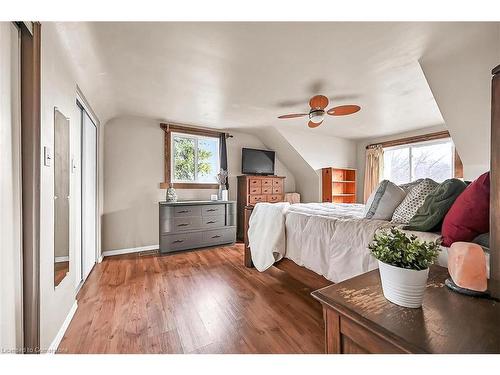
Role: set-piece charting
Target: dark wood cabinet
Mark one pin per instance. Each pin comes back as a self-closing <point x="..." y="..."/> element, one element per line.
<point x="358" y="319"/>
<point x="256" y="189"/>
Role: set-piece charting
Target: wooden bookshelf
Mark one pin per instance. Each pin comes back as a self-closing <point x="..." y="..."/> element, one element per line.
<point x="339" y="185"/>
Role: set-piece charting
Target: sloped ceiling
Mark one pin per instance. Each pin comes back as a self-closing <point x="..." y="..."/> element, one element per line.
<point x="243" y="75"/>
<point x="460" y="79"/>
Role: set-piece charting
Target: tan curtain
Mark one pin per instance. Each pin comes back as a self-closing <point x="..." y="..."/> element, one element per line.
<point x="374" y="169"/>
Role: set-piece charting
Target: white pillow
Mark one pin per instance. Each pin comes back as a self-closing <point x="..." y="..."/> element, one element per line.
<point x="384" y="200"/>
<point x="414" y="199"/>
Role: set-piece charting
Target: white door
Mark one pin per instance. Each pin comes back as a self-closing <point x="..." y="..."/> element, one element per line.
<point x="89" y="194"/>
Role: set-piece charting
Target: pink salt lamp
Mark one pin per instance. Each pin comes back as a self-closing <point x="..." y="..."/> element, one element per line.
<point x="467" y="266"/>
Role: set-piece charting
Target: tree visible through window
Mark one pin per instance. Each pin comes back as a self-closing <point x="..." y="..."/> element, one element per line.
<point x="195" y="159"/>
<point x="433" y="159"/>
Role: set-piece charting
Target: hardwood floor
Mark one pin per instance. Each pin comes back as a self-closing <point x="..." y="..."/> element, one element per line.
<point x="201" y="301"/>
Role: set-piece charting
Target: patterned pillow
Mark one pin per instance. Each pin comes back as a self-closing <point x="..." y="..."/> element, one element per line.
<point x="410" y="185"/>
<point x="413" y="200"/>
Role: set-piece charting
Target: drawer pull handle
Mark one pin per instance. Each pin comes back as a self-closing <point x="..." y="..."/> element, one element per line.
<point x="183" y="211"/>
<point x="178" y="241"/>
<point x="182" y="225"/>
<point x="216" y="236"/>
<point x="211" y="209"/>
<point x="211" y="222"/>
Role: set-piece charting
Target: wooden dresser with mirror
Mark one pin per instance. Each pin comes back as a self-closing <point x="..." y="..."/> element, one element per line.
<point x="256" y="189"/>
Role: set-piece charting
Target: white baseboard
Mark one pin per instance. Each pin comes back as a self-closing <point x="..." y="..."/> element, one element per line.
<point x="99" y="260"/>
<point x="62" y="259"/>
<point x="60" y="334"/>
<point x="109" y="253"/>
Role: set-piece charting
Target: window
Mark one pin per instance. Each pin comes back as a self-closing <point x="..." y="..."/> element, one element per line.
<point x="195" y="158"/>
<point x="431" y="159"/>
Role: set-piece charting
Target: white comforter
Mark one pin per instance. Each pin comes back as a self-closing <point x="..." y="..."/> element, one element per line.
<point x="331" y="239"/>
<point x="266" y="234"/>
<point x="327" y="238"/>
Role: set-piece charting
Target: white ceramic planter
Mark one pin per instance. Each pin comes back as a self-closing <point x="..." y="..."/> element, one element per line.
<point x="402" y="286"/>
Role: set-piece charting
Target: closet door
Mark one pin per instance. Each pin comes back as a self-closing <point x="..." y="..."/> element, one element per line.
<point x="11" y="330"/>
<point x="89" y="194"/>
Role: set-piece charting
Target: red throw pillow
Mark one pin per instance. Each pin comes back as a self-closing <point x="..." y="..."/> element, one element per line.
<point x="469" y="215"/>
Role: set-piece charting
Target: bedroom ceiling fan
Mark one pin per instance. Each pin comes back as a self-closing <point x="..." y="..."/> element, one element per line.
<point x="316" y="114"/>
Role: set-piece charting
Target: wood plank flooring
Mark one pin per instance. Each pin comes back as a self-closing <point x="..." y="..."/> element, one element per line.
<point x="202" y="301"/>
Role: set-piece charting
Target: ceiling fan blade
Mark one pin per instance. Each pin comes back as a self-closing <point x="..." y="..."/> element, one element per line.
<point x="314" y="124"/>
<point x="343" y="110"/>
<point x="318" y="102"/>
<point x="293" y="115"/>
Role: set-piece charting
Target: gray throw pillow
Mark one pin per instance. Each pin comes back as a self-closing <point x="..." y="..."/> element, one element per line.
<point x="383" y="201"/>
<point x="413" y="200"/>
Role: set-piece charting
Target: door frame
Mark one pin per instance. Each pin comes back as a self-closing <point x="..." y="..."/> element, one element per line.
<point x="30" y="155"/>
<point x="83" y="105"/>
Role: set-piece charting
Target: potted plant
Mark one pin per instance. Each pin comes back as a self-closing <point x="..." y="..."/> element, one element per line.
<point x="403" y="265"/>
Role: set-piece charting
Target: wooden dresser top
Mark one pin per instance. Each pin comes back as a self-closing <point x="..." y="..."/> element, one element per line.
<point x="448" y="322"/>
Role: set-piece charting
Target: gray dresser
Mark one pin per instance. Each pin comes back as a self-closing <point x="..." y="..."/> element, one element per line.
<point x="192" y="224"/>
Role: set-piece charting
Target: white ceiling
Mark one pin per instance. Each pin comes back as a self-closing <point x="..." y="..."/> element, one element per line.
<point x="241" y="75"/>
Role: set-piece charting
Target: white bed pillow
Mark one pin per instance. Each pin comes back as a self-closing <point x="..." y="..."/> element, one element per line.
<point x="413" y="200"/>
<point x="384" y="200"/>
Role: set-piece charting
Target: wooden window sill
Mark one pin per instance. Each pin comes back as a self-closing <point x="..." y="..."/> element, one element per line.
<point x="187" y="185"/>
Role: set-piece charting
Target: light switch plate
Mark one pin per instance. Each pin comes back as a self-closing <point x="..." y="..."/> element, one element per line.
<point x="47" y="156"/>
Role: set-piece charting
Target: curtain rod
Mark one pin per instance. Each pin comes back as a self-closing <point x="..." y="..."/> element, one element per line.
<point x="408" y="140"/>
<point x="167" y="125"/>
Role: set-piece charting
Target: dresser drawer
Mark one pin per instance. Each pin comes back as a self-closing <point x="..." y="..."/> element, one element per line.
<point x="267" y="190"/>
<point x="254" y="182"/>
<point x="181" y="241"/>
<point x="213" y="221"/>
<point x="277" y="190"/>
<point x="256" y="198"/>
<point x="275" y="198"/>
<point x="183" y="211"/>
<point x="255" y="190"/>
<point x="267" y="182"/>
<point x="219" y="236"/>
<point x="186" y="223"/>
<point x="277" y="182"/>
<point x="213" y="210"/>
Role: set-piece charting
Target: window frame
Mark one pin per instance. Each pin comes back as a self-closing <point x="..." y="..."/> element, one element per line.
<point x="174" y="128"/>
<point x="196" y="137"/>
<point x="412" y="145"/>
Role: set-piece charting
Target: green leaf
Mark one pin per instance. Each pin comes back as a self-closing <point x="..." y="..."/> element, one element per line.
<point x="394" y="247"/>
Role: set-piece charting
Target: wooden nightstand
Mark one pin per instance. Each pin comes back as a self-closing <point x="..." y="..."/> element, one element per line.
<point x="358" y="319"/>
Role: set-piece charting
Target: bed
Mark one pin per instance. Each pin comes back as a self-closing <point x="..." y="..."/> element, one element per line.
<point x="330" y="239"/>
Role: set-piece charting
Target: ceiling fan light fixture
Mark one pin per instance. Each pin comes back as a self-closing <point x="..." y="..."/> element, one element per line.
<point x="317" y="116"/>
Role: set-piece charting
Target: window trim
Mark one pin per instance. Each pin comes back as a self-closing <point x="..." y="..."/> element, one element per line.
<point x="196" y="137"/>
<point x="424" y="143"/>
<point x="458" y="169"/>
<point x="168" y="129"/>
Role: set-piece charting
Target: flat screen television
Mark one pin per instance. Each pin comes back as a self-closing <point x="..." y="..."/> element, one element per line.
<point x="257" y="161"/>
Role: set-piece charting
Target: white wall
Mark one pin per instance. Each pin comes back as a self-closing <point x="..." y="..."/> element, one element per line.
<point x="361" y="151"/>
<point x="306" y="179"/>
<point x="59" y="89"/>
<point x="460" y="80"/>
<point x="305" y="153"/>
<point x="320" y="150"/>
<point x="133" y="170"/>
<point x="11" y="336"/>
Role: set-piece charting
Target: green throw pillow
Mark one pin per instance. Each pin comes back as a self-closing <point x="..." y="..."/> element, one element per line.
<point x="430" y="215"/>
